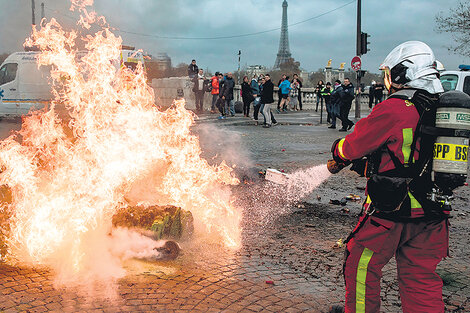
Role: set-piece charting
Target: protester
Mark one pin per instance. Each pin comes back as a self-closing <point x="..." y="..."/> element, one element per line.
<point x="221" y="102"/>
<point x="214" y="91"/>
<point x="379" y="93"/>
<point x="371" y="94"/>
<point x="326" y="95"/>
<point x="318" y="89"/>
<point x="335" y="105"/>
<point x="199" y="90"/>
<point x="247" y="96"/>
<point x="267" y="99"/>
<point x="294" y="94"/>
<point x="279" y="96"/>
<point x="193" y="69"/>
<point x="284" y="87"/>
<point x="347" y="96"/>
<point x="257" y="89"/>
<point x="229" y="84"/>
<point x="300" y="90"/>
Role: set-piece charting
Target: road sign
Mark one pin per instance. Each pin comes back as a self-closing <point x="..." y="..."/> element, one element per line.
<point x="356" y="63"/>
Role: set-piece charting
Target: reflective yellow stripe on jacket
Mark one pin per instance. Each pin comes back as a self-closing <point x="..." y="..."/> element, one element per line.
<point x="340" y="149"/>
<point x="406" y="148"/>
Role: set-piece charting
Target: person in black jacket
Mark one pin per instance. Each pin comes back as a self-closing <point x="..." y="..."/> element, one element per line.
<point x="347" y="96"/>
<point x="379" y="93"/>
<point x="335" y="103"/>
<point x="193" y="69"/>
<point x="247" y="96"/>
<point x="227" y="95"/>
<point x="267" y="99"/>
<point x="221" y="102"/>
<point x="371" y="94"/>
<point x="318" y="90"/>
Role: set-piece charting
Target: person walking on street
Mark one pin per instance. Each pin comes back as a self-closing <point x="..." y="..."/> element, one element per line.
<point x="294" y="94"/>
<point x="335" y="105"/>
<point x="371" y="94"/>
<point x="193" y="69"/>
<point x="267" y="99"/>
<point x="221" y="101"/>
<point x="199" y="90"/>
<point x="326" y="95"/>
<point x="256" y="91"/>
<point x="247" y="96"/>
<point x="318" y="90"/>
<point x="400" y="217"/>
<point x="279" y="95"/>
<point x="379" y="93"/>
<point x="284" y="87"/>
<point x="214" y="91"/>
<point x="347" y="96"/>
<point x="300" y="90"/>
<point x="229" y="84"/>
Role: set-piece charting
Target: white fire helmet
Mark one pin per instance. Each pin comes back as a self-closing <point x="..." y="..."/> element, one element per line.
<point x="412" y="64"/>
<point x="440" y="67"/>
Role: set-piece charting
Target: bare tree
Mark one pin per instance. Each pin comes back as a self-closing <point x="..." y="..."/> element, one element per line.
<point x="456" y="23"/>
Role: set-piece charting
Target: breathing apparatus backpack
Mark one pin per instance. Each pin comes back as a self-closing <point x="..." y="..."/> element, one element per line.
<point x="443" y="133"/>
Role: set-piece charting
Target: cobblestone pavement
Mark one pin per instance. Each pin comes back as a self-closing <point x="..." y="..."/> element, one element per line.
<point x="287" y="262"/>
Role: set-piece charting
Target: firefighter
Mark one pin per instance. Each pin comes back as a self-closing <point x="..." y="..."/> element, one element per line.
<point x="397" y="220"/>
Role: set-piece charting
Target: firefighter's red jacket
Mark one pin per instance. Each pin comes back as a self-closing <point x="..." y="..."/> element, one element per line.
<point x="392" y="123"/>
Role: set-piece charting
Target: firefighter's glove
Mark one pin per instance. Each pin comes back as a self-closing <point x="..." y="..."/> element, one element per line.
<point x="359" y="166"/>
<point x="337" y="164"/>
<point x="334" y="167"/>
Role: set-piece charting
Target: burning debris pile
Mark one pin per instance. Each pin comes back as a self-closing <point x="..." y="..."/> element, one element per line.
<point x="163" y="222"/>
<point x="70" y="171"/>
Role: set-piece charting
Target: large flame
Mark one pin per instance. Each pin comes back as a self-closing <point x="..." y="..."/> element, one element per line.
<point x="70" y="169"/>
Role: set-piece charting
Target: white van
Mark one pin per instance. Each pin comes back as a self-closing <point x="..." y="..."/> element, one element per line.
<point x="24" y="86"/>
<point x="457" y="80"/>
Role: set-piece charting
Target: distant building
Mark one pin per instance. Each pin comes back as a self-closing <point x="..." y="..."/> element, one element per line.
<point x="304" y="75"/>
<point x="162" y="60"/>
<point x="256" y="70"/>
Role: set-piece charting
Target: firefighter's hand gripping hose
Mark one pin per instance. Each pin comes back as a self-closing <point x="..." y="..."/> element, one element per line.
<point x="336" y="164"/>
<point x="335" y="167"/>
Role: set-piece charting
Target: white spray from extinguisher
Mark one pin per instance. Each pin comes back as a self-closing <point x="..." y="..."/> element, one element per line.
<point x="299" y="184"/>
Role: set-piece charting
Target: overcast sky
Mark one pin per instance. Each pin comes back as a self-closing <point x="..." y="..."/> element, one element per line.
<point x="389" y="22"/>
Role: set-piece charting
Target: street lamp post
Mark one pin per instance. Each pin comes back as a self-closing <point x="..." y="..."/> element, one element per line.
<point x="239" y="59"/>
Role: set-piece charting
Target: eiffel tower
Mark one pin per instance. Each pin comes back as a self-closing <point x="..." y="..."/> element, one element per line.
<point x="283" y="55"/>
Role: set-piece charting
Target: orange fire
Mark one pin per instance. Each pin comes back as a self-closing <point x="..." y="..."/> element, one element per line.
<point x="100" y="144"/>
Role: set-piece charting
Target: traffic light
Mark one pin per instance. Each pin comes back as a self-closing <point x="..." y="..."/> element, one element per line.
<point x="364" y="43"/>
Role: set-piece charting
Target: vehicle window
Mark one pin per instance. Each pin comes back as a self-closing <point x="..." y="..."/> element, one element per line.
<point x="8" y="73"/>
<point x="30" y="74"/>
<point x="466" y="85"/>
<point x="449" y="81"/>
